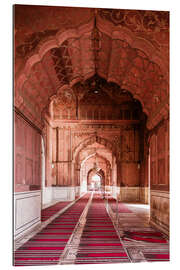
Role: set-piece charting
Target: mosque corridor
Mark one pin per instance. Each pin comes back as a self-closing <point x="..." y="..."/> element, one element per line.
<point x="91" y="115"/>
<point x="92" y="230"/>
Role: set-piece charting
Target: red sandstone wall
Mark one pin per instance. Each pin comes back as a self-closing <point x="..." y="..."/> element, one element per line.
<point x="62" y="141"/>
<point x="128" y="167"/>
<point x="159" y="158"/>
<point x="159" y="176"/>
<point x="61" y="157"/>
<point x="27" y="156"/>
<point x="130" y="175"/>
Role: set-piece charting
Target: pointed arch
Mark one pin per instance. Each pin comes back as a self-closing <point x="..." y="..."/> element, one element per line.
<point x="103" y="141"/>
<point x="98" y="155"/>
<point x="143" y="64"/>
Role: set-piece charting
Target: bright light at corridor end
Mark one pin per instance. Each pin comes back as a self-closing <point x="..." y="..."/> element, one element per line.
<point x="96" y="177"/>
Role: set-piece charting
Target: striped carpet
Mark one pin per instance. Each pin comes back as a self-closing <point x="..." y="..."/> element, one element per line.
<point x="46" y="247"/>
<point x="155" y="244"/>
<point x="148" y="237"/>
<point x="100" y="242"/>
<point x="122" y="208"/>
<point x="50" y="211"/>
<point x="160" y="255"/>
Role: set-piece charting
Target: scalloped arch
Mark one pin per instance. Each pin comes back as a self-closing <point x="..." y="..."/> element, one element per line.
<point x="90" y="141"/>
<point x="85" y="68"/>
<point x="98" y="155"/>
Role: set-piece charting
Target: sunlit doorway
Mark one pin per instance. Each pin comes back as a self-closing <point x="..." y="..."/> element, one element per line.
<point x="96" y="182"/>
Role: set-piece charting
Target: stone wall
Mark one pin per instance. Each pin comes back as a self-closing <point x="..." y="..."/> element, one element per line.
<point x="27" y="155"/>
<point x="159" y="176"/>
<point x="159" y="215"/>
<point x="129" y="194"/>
<point x="71" y="141"/>
<point x="144" y="195"/>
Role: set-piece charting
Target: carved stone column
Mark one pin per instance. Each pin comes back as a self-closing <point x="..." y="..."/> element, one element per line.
<point x="48" y="155"/>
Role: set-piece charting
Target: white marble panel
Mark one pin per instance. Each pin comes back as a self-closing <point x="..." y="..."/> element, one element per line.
<point x="27" y="211"/>
<point x="63" y="193"/>
<point x="47" y="195"/>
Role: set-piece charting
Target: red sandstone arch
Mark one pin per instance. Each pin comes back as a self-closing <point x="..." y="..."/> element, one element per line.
<point x="98" y="155"/>
<point x="108" y="144"/>
<point x="107" y="173"/>
<point x="99" y="173"/>
<point x="87" y="142"/>
<point x="142" y="71"/>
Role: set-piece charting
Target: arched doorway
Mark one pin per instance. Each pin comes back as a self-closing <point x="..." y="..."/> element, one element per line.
<point x="79" y="89"/>
<point x="95" y="182"/>
<point x="88" y="152"/>
<point x="93" y="163"/>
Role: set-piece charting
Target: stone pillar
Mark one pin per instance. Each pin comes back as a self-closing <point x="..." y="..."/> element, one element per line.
<point x="48" y="155"/>
<point x="64" y="157"/>
<point x="114" y="177"/>
<point x="144" y="177"/>
<point x="83" y="180"/>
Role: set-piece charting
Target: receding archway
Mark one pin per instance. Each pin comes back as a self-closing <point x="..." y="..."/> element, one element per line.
<point x="93" y="156"/>
<point x="70" y="63"/>
<point x="96" y="180"/>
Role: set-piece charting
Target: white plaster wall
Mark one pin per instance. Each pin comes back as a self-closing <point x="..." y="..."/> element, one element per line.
<point x="27" y="212"/>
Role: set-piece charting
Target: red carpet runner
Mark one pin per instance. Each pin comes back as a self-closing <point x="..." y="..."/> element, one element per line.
<point x="150" y="237"/>
<point x="46" y="247"/>
<point x="157" y="256"/>
<point x="50" y="211"/>
<point x="100" y="242"/>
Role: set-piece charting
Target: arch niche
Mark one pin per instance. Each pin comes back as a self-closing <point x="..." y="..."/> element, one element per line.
<point x="146" y="69"/>
<point x="88" y="170"/>
<point x="88" y="147"/>
<point x="96" y="180"/>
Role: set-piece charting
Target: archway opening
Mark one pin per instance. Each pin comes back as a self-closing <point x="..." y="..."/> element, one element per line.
<point x="95" y="182"/>
<point x="93" y="158"/>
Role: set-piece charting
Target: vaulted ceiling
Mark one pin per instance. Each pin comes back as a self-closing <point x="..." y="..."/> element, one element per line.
<point x="58" y="49"/>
